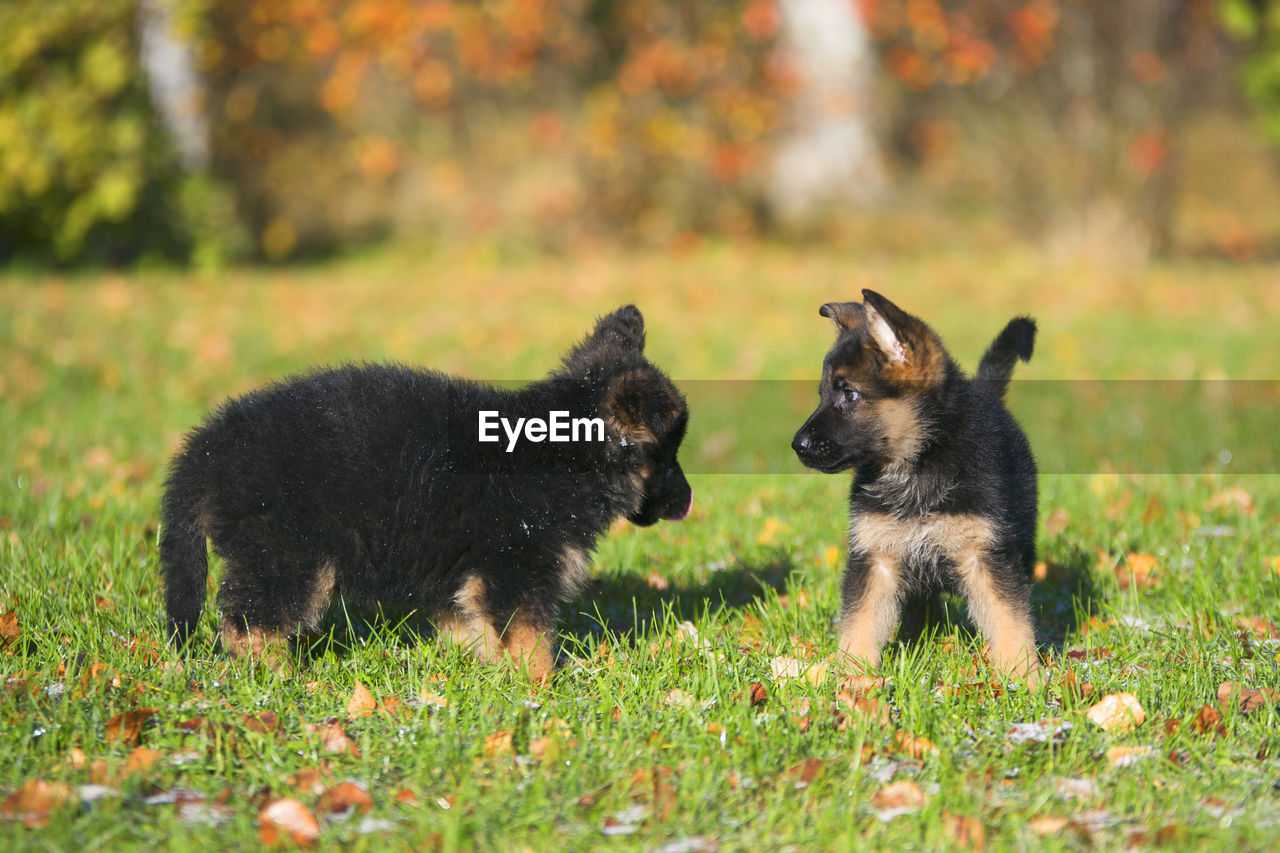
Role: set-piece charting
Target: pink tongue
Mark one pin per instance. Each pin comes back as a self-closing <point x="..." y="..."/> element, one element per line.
<point x="682" y="516"/>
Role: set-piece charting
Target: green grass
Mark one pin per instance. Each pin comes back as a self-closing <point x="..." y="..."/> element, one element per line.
<point x="648" y="726"/>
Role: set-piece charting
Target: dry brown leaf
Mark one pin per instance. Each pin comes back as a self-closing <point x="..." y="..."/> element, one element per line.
<point x="963" y="831"/>
<point x="805" y="772"/>
<point x="1056" y="522"/>
<point x="127" y="727"/>
<point x="1048" y="824"/>
<point x="498" y="743"/>
<point x="1117" y="712"/>
<point x="335" y="739"/>
<point x="1124" y="756"/>
<point x="140" y="760"/>
<point x="1208" y="719"/>
<point x="344" y="797"/>
<point x="433" y="700"/>
<point x="1247" y="699"/>
<point x="909" y="744"/>
<point x="287" y="818"/>
<point x="361" y="703"/>
<point x="268" y="722"/>
<point x="544" y="749"/>
<point x="1233" y="498"/>
<point x="657" y="582"/>
<point x="900" y="798"/>
<point x="1259" y="627"/>
<point x="409" y="798"/>
<point x="34" y="801"/>
<point x="391" y="706"/>
<point x="308" y="781"/>
<point x="866" y="706"/>
<point x="758" y="694"/>
<point x="10" y="629"/>
<point x="76" y="758"/>
<point x="861" y="684"/>
<point x="1137" y="572"/>
<point x="677" y="698"/>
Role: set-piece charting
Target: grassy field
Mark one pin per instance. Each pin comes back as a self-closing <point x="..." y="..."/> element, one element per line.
<point x="692" y="710"/>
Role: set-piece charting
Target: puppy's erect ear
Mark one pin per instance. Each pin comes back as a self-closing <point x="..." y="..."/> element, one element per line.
<point x="846" y="315"/>
<point x="640" y="407"/>
<point x="624" y="327"/>
<point x="888" y="325"/>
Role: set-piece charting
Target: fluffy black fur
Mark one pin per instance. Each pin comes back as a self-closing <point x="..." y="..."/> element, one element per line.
<point x="944" y="496"/>
<point x="369" y="483"/>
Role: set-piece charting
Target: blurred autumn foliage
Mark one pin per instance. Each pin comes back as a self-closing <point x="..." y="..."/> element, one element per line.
<point x="552" y="122"/>
<point x="546" y="115"/>
<point x="83" y="164"/>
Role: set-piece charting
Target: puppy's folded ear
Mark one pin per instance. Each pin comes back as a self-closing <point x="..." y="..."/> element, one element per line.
<point x="624" y="327"/>
<point x="846" y="315"/>
<point x="640" y="407"/>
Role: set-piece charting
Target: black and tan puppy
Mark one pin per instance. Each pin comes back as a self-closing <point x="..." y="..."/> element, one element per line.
<point x="395" y="487"/>
<point x="944" y="495"/>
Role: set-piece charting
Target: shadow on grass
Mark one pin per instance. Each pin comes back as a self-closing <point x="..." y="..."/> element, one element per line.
<point x="1065" y="600"/>
<point x="627" y="606"/>
<point x="1060" y="605"/>
<point x="624" y="606"/>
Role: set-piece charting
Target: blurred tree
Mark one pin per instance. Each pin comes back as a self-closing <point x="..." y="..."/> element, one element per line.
<point x="827" y="153"/>
<point x="84" y="170"/>
<point x="1257" y="24"/>
<point x="333" y="117"/>
<point x="1080" y="103"/>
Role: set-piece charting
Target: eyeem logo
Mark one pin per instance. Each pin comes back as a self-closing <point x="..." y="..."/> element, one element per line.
<point x="557" y="427"/>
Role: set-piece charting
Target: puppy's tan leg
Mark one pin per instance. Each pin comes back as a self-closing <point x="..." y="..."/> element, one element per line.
<point x="270" y="647"/>
<point x="529" y="646"/>
<point x="467" y="624"/>
<point x="1004" y="620"/>
<point x="871" y="600"/>
<point x="470" y="625"/>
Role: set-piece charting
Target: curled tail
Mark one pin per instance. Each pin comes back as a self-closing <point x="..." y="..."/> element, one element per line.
<point x="1016" y="342"/>
<point x="183" y="559"/>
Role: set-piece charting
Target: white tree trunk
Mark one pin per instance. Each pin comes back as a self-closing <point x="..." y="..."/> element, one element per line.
<point x="827" y="155"/>
<point x="175" y="87"/>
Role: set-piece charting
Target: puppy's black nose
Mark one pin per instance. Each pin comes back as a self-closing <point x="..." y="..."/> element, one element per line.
<point x="801" y="442"/>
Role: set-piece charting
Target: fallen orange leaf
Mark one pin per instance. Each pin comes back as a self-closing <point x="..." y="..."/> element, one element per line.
<point x="361" y="702"/>
<point x="909" y="744"/>
<point x="498" y="743"/>
<point x="964" y="831"/>
<point x="140" y="760"/>
<point x="127" y="727"/>
<point x="10" y="629"/>
<point x="1118" y="712"/>
<point x="33" y="802"/>
<point x="289" y="818"/>
<point x="344" y="797"/>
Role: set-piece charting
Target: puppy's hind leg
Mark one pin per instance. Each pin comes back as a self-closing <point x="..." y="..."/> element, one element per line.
<point x="261" y="610"/>
<point x="482" y="621"/>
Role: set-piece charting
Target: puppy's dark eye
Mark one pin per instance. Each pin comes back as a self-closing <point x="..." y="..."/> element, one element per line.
<point x="850" y="395"/>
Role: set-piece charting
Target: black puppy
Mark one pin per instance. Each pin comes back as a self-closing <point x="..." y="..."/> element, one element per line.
<point x="391" y="486"/>
<point x="944" y="497"/>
